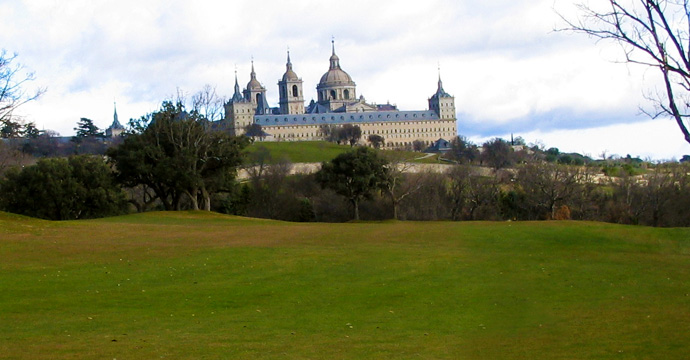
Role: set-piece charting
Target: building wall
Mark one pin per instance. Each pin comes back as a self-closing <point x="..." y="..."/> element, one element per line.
<point x="396" y="134"/>
<point x="240" y="115"/>
<point x="289" y="103"/>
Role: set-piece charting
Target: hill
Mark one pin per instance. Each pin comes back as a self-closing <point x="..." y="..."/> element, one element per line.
<point x="194" y="285"/>
<point x="317" y="151"/>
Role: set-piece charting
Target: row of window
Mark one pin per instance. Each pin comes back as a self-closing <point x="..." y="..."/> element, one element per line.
<point x="336" y="95"/>
<point x="354" y="117"/>
<point x="405" y="128"/>
<point x="314" y="135"/>
<point x="405" y="131"/>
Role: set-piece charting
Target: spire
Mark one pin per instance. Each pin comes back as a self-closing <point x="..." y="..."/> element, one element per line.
<point x="335" y="60"/>
<point x="440" y="93"/>
<point x="254" y="84"/>
<point x="116" y="123"/>
<point x="289" y="63"/>
<point x="237" y="97"/>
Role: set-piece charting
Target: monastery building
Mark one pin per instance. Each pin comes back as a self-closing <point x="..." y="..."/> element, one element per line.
<point x="337" y="105"/>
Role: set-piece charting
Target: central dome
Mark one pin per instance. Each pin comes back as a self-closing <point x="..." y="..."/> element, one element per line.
<point x="335" y="75"/>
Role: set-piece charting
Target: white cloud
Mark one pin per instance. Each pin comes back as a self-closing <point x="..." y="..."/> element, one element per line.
<point x="651" y="139"/>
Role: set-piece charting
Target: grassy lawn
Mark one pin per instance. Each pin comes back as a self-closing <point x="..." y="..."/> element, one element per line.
<point x="206" y="286"/>
<point x="319" y="151"/>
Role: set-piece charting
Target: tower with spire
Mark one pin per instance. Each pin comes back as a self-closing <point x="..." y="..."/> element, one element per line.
<point x="290" y="89"/>
<point x="442" y="103"/>
<point x="256" y="94"/>
<point x="239" y="111"/>
<point x="115" y="129"/>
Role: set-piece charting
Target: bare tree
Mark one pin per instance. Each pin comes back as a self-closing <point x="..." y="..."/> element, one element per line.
<point x="653" y="33"/>
<point x="13" y="93"/>
<point x="546" y="186"/>
<point x="399" y="183"/>
<point x="329" y="132"/>
<point x="10" y="156"/>
<point x="469" y="193"/>
<point x="207" y="103"/>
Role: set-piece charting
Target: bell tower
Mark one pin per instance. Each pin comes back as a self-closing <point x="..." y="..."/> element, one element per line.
<point x="255" y="93"/>
<point x="290" y="88"/>
<point x="442" y="103"/>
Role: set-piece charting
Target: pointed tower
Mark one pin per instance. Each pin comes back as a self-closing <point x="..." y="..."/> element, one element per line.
<point x="442" y="103"/>
<point x="115" y="128"/>
<point x="237" y="96"/>
<point x="239" y="112"/>
<point x="256" y="94"/>
<point x="290" y="88"/>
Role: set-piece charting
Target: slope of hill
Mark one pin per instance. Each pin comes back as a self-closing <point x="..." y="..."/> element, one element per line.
<point x="201" y="285"/>
<point x="317" y="151"/>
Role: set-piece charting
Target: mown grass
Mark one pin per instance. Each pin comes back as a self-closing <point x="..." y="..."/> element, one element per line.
<point x="319" y="151"/>
<point x="207" y="286"/>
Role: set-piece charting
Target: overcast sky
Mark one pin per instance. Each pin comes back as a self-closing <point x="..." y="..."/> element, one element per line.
<point x="507" y="68"/>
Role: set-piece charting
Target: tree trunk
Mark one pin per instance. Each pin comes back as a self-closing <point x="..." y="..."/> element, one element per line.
<point x="206" y="199"/>
<point x="177" y="201"/>
<point x="192" y="195"/>
<point x="355" y="203"/>
<point x="137" y="205"/>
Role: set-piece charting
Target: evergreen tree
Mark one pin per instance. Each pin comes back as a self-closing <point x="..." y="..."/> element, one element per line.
<point x="80" y="187"/>
<point x="354" y="174"/>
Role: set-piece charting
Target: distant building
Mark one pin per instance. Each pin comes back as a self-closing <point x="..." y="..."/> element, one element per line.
<point x="115" y="129"/>
<point x="337" y="104"/>
<point x="439" y="146"/>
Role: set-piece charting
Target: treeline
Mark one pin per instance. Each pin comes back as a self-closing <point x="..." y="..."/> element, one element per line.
<point x="532" y="191"/>
<point x="172" y="159"/>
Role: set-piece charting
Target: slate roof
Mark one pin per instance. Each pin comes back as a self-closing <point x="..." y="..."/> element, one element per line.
<point x="343" y="118"/>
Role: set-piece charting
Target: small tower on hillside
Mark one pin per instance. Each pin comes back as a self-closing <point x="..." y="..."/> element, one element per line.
<point x="442" y="103"/>
<point x="115" y="129"/>
<point x="290" y="88"/>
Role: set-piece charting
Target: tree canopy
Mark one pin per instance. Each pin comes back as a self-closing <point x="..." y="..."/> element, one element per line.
<point x="377" y="141"/>
<point x="355" y="174"/>
<point x="81" y="187"/>
<point x="174" y="153"/>
<point x="87" y="129"/>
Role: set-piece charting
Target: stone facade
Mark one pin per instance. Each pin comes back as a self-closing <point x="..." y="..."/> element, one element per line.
<point x="337" y="104"/>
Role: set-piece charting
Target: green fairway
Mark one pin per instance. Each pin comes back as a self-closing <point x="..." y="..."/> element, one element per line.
<point x="319" y="151"/>
<point x="194" y="285"/>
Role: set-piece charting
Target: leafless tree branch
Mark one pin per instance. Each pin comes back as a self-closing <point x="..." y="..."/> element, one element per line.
<point x="653" y="33"/>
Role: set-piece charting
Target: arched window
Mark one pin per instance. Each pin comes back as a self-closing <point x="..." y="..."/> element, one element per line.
<point x="295" y="92"/>
<point x="347" y="94"/>
<point x="332" y="94"/>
